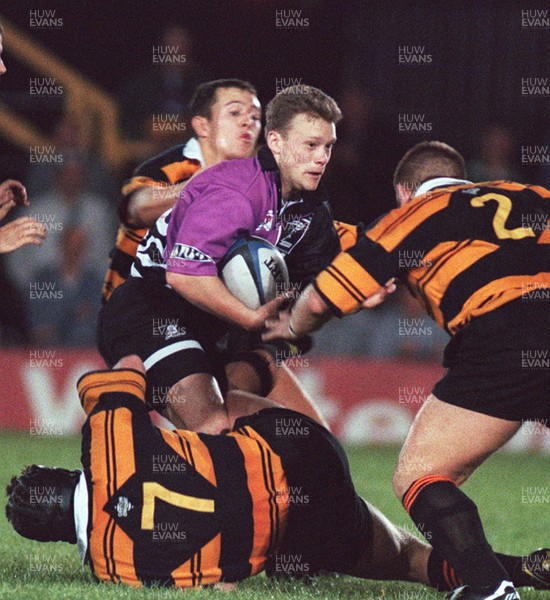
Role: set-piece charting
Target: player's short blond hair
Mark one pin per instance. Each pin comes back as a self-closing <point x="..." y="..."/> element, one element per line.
<point x="299" y="99"/>
<point x="426" y="161"/>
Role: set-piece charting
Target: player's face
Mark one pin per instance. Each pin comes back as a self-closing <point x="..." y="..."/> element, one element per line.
<point x="2" y="65"/>
<point x="234" y="127"/>
<point x="303" y="153"/>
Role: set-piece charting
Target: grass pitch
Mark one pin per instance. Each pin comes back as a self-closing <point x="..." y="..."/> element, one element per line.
<point x="512" y="493"/>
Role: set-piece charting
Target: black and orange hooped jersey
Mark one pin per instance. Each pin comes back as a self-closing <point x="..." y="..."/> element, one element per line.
<point x="169" y="168"/>
<point x="173" y="507"/>
<point x="347" y="234"/>
<point x="462" y="250"/>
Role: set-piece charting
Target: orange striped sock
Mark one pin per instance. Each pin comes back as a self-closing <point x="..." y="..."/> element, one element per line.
<point x="416" y="487"/>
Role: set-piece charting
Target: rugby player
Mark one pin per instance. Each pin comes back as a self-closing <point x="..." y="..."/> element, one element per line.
<point x="484" y="275"/>
<point x="177" y="508"/>
<point x="24" y="230"/>
<point x="174" y="278"/>
<point x="226" y="123"/>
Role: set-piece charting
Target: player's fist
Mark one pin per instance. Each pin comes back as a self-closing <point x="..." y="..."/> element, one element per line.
<point x="13" y="192"/>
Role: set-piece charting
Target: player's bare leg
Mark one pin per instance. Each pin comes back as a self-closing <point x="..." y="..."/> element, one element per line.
<point x="444" y="446"/>
<point x="196" y="403"/>
<point x="394" y="553"/>
<point x="241" y="375"/>
<point x="448" y="440"/>
<point x="130" y="362"/>
<point x="242" y="404"/>
<point x="287" y="390"/>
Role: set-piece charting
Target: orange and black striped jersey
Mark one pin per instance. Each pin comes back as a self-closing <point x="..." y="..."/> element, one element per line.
<point x="173" y="507"/>
<point x="347" y="234"/>
<point x="463" y="251"/>
<point x="168" y="168"/>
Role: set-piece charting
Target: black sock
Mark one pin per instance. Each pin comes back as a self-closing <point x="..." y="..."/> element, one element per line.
<point x="440" y="573"/>
<point x="449" y="520"/>
<point x="514" y="566"/>
<point x="444" y="578"/>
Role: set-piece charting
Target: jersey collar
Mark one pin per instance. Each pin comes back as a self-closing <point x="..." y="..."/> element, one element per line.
<point x="81" y="515"/>
<point x="192" y="149"/>
<point x="267" y="160"/>
<point x="438" y="182"/>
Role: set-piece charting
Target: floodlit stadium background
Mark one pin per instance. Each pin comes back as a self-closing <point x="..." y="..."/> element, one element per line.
<point x="476" y="77"/>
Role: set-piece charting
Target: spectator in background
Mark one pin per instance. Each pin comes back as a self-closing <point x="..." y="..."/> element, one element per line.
<point x="20" y="232"/>
<point x="63" y="309"/>
<point x="164" y="88"/>
<point x="359" y="182"/>
<point x="496" y="156"/>
<point x="14" y="235"/>
<point x="70" y="142"/>
<point x="69" y="203"/>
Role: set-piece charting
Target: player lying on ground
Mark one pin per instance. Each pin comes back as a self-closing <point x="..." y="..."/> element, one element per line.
<point x="154" y="506"/>
<point x="275" y="195"/>
<point x="477" y="258"/>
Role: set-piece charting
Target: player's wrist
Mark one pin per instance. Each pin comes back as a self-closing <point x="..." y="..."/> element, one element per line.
<point x="254" y="321"/>
<point x="292" y="331"/>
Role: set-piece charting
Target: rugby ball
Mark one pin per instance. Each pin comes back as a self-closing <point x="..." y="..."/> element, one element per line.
<point x="254" y="271"/>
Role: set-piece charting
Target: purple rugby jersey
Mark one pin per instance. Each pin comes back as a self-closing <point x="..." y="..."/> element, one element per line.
<point x="221" y="204"/>
<point x="228" y="201"/>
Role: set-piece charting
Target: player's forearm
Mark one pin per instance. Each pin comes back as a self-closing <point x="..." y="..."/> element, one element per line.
<point x="309" y="314"/>
<point x="210" y="294"/>
<point x="148" y="203"/>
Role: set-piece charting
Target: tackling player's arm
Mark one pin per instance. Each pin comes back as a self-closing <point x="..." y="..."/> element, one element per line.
<point x="347" y="234"/>
<point x="155" y="187"/>
<point x="147" y="204"/>
<point x="351" y="282"/>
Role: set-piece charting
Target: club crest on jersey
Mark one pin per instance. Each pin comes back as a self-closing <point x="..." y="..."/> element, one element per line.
<point x="123" y="506"/>
<point x="267" y="223"/>
<point x="173" y="331"/>
<point x="189" y="253"/>
<point x="293" y="230"/>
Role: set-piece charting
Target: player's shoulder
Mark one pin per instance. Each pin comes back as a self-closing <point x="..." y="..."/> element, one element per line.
<point x="512" y="186"/>
<point x="236" y="174"/>
<point x="173" y="154"/>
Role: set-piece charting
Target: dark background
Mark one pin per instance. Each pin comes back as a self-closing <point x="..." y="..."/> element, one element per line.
<point x="480" y="52"/>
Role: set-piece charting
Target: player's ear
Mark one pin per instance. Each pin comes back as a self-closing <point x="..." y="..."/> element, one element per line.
<point x="274" y="141"/>
<point x="200" y="126"/>
<point x="403" y="193"/>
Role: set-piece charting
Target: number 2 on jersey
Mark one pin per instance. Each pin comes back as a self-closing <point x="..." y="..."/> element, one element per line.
<point x="501" y="214"/>
<point x="153" y="490"/>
